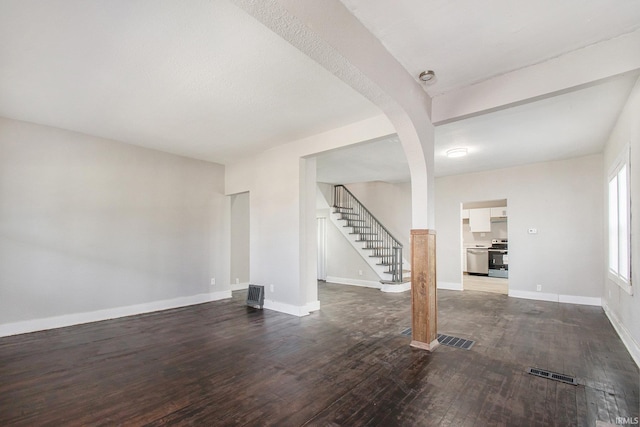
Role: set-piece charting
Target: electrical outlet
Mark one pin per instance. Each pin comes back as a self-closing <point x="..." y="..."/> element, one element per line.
<point x="533" y="231"/>
<point x="271" y="287"/>
<point x="237" y="281"/>
<point x="359" y="272"/>
<point x="538" y="288"/>
<point x="213" y="281"/>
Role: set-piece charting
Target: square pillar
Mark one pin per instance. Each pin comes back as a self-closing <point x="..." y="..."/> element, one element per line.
<point x="424" y="304"/>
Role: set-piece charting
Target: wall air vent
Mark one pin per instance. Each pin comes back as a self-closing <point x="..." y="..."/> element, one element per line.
<point x="255" y="296"/>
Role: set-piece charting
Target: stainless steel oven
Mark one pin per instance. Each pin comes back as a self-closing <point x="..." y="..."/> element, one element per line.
<point x="499" y="258"/>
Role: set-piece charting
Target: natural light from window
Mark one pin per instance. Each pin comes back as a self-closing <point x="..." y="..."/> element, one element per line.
<point x="619" y="231"/>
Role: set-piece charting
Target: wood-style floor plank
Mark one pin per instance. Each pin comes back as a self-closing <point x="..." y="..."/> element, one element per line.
<point x="225" y="364"/>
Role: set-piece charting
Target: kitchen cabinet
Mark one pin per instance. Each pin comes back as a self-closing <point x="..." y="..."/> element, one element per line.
<point x="499" y="212"/>
<point x="480" y="220"/>
<point x="465" y="213"/>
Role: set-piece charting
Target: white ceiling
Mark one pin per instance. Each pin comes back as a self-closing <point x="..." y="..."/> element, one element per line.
<point x="200" y="78"/>
<point x="467" y="41"/>
<point x="205" y="80"/>
<point x="381" y="160"/>
<point x="569" y="125"/>
<point x="573" y="124"/>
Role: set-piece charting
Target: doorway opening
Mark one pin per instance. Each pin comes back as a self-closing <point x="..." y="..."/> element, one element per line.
<point x="485" y="250"/>
<point x="322" y="248"/>
<point x="239" y="229"/>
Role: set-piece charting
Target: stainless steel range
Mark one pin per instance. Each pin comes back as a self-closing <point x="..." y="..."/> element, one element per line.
<point x="499" y="258"/>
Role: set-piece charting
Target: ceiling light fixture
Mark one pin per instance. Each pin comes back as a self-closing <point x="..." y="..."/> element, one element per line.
<point x="457" y="152"/>
<point x="427" y="76"/>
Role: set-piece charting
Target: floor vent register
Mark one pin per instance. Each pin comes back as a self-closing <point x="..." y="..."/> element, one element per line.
<point x="567" y="379"/>
<point x="448" y="340"/>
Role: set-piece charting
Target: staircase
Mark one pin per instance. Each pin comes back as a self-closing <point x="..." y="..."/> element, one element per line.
<point x="370" y="238"/>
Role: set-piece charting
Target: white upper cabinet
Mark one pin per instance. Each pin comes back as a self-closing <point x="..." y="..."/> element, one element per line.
<point x="480" y="220"/>
<point x="499" y="212"/>
<point x="465" y="213"/>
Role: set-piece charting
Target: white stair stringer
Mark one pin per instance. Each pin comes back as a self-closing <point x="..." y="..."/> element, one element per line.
<point x="380" y="270"/>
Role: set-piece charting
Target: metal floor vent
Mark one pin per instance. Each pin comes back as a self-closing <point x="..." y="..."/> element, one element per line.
<point x="448" y="340"/>
<point x="255" y="296"/>
<point x="455" y="342"/>
<point x="552" y="376"/>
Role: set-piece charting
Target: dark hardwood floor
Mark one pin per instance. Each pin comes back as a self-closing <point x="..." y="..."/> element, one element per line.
<point x="225" y="364"/>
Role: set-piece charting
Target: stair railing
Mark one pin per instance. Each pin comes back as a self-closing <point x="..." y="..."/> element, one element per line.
<point x="372" y="232"/>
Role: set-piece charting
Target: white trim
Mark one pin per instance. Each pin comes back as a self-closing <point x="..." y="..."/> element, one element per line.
<point x="632" y="346"/>
<point x="354" y="282"/>
<point x="106" y="314"/>
<point x="533" y="295"/>
<point x="313" y="306"/>
<point x="575" y="299"/>
<point x="452" y="286"/>
<point x="396" y="288"/>
<point x="240" y="286"/>
<point x="622" y="160"/>
<point x="282" y="307"/>
<point x="564" y="299"/>
<point x="622" y="283"/>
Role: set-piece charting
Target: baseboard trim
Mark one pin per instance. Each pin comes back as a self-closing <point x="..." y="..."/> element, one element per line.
<point x="281" y="307"/>
<point x="46" y="323"/>
<point x="451" y="286"/>
<point x="574" y="299"/>
<point x="313" y="306"/>
<point x="539" y="296"/>
<point x="632" y="346"/>
<point x="565" y="299"/>
<point x="240" y="286"/>
<point x="354" y="282"/>
<point x="400" y="287"/>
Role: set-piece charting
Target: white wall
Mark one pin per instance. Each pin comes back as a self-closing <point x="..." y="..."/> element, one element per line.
<point x="344" y="263"/>
<point x="624" y="309"/>
<point x="562" y="199"/>
<point x="282" y="184"/>
<point x="499" y="230"/>
<point x="391" y="204"/>
<point x="88" y="224"/>
<point x="239" y="225"/>
<point x="312" y="27"/>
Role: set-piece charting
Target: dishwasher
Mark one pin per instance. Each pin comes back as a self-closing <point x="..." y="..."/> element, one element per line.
<point x="478" y="261"/>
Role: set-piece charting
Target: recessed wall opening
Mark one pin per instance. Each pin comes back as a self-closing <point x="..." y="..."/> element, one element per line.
<point x="239" y="224"/>
<point x="485" y="246"/>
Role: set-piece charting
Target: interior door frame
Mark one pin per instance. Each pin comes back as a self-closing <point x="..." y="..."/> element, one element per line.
<point x="322" y="247"/>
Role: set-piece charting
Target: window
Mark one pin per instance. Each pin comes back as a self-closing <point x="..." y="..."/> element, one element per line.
<point x="619" y="222"/>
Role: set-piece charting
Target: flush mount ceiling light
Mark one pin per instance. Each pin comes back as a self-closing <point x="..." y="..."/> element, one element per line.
<point x="427" y="76"/>
<point x="457" y="152"/>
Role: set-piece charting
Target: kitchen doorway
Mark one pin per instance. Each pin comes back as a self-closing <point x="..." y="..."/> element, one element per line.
<point x="485" y="252"/>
